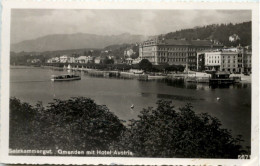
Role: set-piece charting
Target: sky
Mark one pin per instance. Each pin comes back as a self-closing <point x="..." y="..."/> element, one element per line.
<point x="27" y="24"/>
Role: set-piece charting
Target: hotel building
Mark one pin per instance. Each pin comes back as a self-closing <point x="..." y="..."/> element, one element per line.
<point x="172" y="51"/>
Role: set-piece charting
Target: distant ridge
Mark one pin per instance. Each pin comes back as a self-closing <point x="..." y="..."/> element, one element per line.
<point x="74" y="41"/>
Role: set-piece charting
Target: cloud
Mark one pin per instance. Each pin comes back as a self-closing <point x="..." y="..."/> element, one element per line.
<point x="32" y="23"/>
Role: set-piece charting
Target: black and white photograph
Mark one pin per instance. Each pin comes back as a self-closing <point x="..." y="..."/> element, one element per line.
<point x="132" y="83"/>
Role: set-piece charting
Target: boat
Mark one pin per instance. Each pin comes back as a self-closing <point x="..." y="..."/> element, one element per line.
<point x="65" y="77"/>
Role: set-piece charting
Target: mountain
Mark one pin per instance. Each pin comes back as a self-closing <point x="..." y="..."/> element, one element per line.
<point x="74" y="41"/>
<point x="217" y="32"/>
<point x="56" y="42"/>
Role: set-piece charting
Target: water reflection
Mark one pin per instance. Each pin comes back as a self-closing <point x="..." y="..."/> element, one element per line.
<point x="180" y="83"/>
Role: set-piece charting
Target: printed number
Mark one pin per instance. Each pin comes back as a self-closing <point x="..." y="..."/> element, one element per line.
<point x="243" y="156"/>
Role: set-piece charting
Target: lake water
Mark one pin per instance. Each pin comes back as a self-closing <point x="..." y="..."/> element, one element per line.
<point x="233" y="108"/>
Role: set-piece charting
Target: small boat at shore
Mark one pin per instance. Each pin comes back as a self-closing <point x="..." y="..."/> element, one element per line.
<point x="65" y="77"/>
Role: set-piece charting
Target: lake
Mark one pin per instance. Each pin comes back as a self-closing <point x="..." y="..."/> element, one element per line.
<point x="233" y="109"/>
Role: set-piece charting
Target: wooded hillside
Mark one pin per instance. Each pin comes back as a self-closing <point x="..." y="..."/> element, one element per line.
<point x="217" y="32"/>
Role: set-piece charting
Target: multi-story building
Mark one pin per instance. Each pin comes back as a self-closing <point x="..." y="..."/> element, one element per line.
<point x="172" y="51"/>
<point x="247" y="61"/>
<point x="212" y="60"/>
<point x="230" y="60"/>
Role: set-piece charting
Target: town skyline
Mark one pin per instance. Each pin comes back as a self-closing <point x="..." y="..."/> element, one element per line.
<point x="41" y="22"/>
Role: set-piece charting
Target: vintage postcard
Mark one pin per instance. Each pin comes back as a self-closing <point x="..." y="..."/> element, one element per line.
<point x="149" y="83"/>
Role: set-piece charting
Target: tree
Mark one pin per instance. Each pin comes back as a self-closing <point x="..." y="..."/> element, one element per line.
<point x="77" y="123"/>
<point x="21" y="124"/>
<point x="86" y="124"/>
<point x="108" y="61"/>
<point x="175" y="68"/>
<point x="135" y="55"/>
<point x="145" y="65"/>
<point x="167" y="132"/>
<point x="220" y="33"/>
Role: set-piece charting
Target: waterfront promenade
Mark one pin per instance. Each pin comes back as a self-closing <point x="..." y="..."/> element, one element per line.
<point x="190" y="76"/>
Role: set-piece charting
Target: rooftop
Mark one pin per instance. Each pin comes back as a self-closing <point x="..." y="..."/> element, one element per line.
<point x="185" y="42"/>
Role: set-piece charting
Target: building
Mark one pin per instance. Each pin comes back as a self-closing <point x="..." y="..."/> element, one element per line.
<point x="229" y="60"/>
<point x="172" y="51"/>
<point x="53" y="60"/>
<point x="247" y="61"/>
<point x="82" y="59"/>
<point x="212" y="60"/>
<point x="97" y="60"/>
<point x="233" y="38"/>
<point x="35" y="61"/>
<point x="64" y="59"/>
<point x="129" y="61"/>
<point x="71" y="59"/>
<point x="137" y="60"/>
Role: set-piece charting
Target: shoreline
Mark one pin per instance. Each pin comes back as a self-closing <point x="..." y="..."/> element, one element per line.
<point x="192" y="77"/>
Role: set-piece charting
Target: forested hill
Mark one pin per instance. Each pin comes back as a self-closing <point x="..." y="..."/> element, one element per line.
<point x="217" y="32"/>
